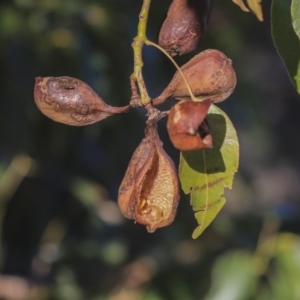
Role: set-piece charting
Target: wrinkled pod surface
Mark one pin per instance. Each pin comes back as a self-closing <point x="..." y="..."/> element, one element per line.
<point x="149" y="192"/>
<point x="71" y="101"/>
<point x="210" y="75"/>
<point x="184" y="26"/>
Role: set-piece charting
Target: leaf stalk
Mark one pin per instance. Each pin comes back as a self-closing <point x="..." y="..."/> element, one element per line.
<point x="149" y="43"/>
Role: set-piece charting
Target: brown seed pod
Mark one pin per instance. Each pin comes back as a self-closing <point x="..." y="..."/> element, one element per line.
<point x="184" y="26"/>
<point x="210" y="75"/>
<point x="71" y="101"/>
<point x="127" y="187"/>
<point x="187" y="127"/>
<point x="149" y="192"/>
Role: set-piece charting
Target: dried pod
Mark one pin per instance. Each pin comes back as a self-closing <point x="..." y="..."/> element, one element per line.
<point x="187" y="127"/>
<point x="149" y="192"/>
<point x="71" y="101"/>
<point x="184" y="26"/>
<point x="210" y="75"/>
<point x="126" y="190"/>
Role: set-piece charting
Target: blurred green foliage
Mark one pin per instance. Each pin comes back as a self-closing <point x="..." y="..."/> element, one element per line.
<point x="61" y="230"/>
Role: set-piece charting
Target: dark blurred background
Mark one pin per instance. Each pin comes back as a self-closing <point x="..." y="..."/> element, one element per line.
<point x="62" y="235"/>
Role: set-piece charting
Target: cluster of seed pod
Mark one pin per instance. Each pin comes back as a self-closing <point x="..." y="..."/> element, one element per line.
<point x="209" y="74"/>
<point x="211" y="79"/>
<point x="149" y="192"/>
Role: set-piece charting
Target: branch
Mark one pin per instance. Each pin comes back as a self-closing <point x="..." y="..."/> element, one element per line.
<point x="137" y="45"/>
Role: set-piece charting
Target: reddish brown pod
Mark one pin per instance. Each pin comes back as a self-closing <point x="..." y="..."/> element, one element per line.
<point x="149" y="192"/>
<point x="184" y="26"/>
<point x="210" y="75"/>
<point x="71" y="101"/>
<point x="187" y="127"/>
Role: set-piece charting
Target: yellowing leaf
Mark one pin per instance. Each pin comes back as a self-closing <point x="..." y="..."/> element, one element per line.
<point x="241" y="4"/>
<point x="205" y="173"/>
<point x="254" y="5"/>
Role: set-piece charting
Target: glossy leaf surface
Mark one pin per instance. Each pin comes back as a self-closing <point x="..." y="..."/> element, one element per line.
<point x="285" y="39"/>
<point x="296" y="16"/>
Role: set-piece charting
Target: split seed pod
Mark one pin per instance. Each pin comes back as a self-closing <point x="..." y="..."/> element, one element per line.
<point x="184" y="26"/>
<point x="210" y="75"/>
<point x="71" y="101"/>
<point x="149" y="192"/>
<point x="187" y="127"/>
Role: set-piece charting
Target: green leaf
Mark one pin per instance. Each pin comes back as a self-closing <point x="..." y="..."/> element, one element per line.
<point x="296" y="16"/>
<point x="285" y="39"/>
<point x="205" y="173"/>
